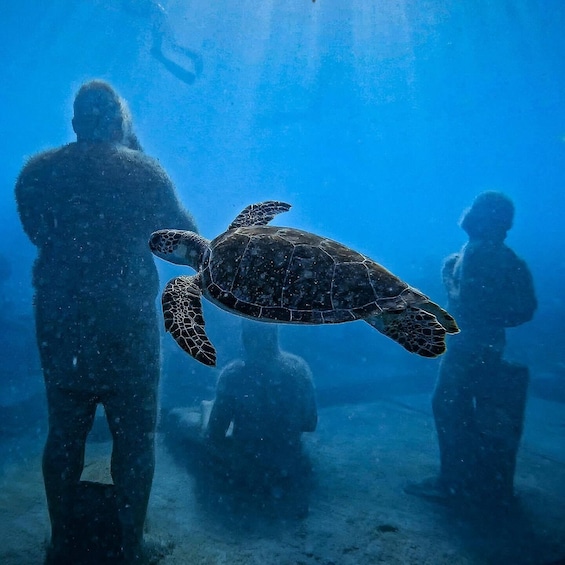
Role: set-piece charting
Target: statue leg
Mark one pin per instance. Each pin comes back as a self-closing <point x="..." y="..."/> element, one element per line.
<point x="71" y="415"/>
<point x="453" y="410"/>
<point x="131" y="410"/>
<point x="500" y="416"/>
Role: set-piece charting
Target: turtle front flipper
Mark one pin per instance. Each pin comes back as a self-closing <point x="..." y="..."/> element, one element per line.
<point x="416" y="330"/>
<point x="444" y="318"/>
<point x="259" y="214"/>
<point x="182" y="309"/>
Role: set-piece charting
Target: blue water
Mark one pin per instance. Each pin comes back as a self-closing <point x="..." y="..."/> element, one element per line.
<point x="378" y="121"/>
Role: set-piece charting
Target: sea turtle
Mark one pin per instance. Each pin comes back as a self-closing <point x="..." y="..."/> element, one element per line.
<point x="280" y="274"/>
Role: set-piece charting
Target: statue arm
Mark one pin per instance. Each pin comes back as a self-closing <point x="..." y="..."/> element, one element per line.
<point x="172" y="213"/>
<point x="223" y="409"/>
<point x="158" y="188"/>
<point x="220" y="419"/>
<point x="450" y="281"/>
<point x="310" y="410"/>
<point x="33" y="212"/>
<point x="520" y="294"/>
<point x="308" y="398"/>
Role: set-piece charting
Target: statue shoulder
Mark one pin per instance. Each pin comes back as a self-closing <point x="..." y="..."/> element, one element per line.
<point x="231" y="371"/>
<point x="41" y="163"/>
<point x="296" y="365"/>
<point x="135" y="159"/>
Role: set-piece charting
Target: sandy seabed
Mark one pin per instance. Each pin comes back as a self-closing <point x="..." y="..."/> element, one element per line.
<point x="363" y="455"/>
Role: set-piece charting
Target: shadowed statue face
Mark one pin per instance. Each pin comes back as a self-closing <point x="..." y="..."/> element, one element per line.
<point x="98" y="113"/>
<point x="490" y="216"/>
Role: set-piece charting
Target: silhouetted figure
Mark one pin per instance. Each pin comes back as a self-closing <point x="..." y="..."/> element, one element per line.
<point x="89" y="208"/>
<point x="183" y="73"/>
<point x="245" y="446"/>
<point x="480" y="398"/>
<point x="264" y="402"/>
<point x="164" y="47"/>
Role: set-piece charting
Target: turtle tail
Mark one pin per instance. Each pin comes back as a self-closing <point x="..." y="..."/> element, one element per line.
<point x="416" y="330"/>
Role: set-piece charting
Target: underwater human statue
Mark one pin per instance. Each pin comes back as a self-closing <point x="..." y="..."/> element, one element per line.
<point x="250" y="441"/>
<point x="89" y="208"/>
<point x="480" y="397"/>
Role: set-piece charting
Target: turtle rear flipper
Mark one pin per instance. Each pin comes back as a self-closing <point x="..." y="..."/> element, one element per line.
<point x="416" y="330"/>
<point x="182" y="310"/>
<point x="259" y="214"/>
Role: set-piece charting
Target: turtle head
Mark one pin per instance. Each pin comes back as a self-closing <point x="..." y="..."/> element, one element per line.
<point x="178" y="246"/>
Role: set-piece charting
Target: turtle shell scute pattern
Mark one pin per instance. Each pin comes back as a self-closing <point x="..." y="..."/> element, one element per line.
<point x="288" y="275"/>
